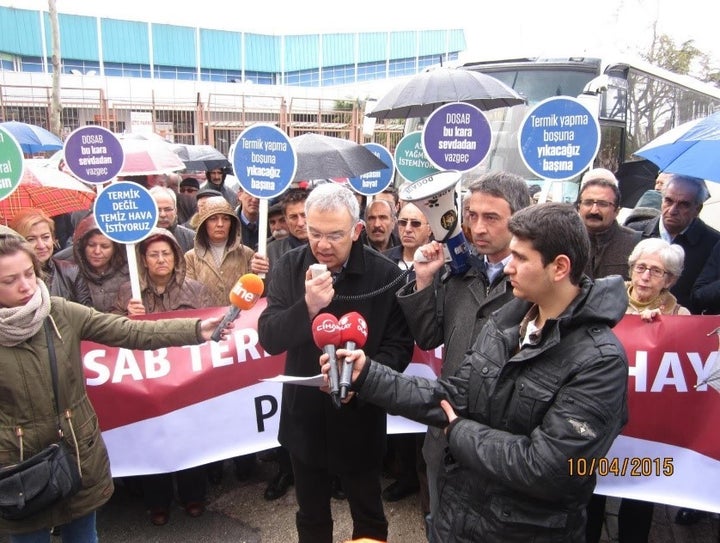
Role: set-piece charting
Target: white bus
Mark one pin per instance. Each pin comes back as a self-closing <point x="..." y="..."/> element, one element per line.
<point x="635" y="102"/>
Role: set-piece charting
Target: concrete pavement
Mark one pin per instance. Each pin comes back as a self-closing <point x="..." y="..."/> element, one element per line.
<point x="237" y="513"/>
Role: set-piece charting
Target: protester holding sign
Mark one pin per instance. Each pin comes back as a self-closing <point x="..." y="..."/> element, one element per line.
<point x="165" y="288"/>
<point x="35" y="329"/>
<point x="102" y="262"/>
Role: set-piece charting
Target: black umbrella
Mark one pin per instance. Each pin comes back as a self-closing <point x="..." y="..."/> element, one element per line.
<point x="200" y="157"/>
<point x="326" y="157"/>
<point x="422" y="94"/>
<point x="634" y="179"/>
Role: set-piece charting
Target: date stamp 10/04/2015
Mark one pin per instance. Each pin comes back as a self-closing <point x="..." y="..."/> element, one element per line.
<point x="632" y="466"/>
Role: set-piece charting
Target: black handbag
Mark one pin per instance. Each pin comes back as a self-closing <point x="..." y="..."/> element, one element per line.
<point x="45" y="478"/>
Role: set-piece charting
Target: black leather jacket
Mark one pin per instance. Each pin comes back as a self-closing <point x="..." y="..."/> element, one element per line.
<point x="64" y="279"/>
<point x="522" y="415"/>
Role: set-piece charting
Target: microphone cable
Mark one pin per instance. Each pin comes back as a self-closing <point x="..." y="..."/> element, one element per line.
<point x="367" y="295"/>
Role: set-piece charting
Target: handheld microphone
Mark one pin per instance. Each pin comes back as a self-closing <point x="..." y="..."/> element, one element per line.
<point x="326" y="335"/>
<point x="353" y="334"/>
<point x="244" y="295"/>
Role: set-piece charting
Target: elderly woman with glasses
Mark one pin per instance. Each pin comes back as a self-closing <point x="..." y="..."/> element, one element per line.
<point x="165" y="288"/>
<point x="655" y="266"/>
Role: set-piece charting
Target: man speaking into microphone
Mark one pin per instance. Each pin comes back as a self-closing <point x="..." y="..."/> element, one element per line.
<point x="324" y="441"/>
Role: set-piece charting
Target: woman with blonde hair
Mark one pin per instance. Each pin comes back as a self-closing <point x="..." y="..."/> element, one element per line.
<point x="62" y="277"/>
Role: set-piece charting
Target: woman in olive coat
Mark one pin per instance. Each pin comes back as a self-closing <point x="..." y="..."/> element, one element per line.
<point x="28" y="418"/>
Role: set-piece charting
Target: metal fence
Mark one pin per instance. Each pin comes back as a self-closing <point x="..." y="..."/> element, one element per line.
<point x="217" y="121"/>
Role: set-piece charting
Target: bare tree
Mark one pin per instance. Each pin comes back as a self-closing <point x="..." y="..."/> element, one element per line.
<point x="55" y="104"/>
<point x="656" y="106"/>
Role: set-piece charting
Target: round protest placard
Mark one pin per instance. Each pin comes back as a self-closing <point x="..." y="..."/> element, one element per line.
<point x="264" y="161"/>
<point x="11" y="164"/>
<point x="456" y="136"/>
<point x="125" y="212"/>
<point x="410" y="159"/>
<point x="94" y="154"/>
<point x="372" y="183"/>
<point x="559" y="138"/>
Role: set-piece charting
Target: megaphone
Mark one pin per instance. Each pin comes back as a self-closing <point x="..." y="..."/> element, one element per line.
<point x="434" y="195"/>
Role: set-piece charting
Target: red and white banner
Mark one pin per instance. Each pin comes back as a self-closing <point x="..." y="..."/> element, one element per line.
<point x="178" y="407"/>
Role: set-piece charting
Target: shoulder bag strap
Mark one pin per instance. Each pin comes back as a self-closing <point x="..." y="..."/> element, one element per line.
<point x="53" y="370"/>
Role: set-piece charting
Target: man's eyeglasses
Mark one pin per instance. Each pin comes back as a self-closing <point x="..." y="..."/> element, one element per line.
<point x="657" y="273"/>
<point x="166" y="210"/>
<point x="601" y="204"/>
<point x="413" y="223"/>
<point x="332" y="237"/>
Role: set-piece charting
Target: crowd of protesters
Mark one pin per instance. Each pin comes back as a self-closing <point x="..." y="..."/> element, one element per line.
<point x="539" y="275"/>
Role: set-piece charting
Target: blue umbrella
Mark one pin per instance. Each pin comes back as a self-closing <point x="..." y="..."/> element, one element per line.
<point x="692" y="149"/>
<point x="33" y="139"/>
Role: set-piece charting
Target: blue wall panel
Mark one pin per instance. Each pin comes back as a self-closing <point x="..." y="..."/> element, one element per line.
<point x="262" y="53"/>
<point x="373" y="46"/>
<point x="128" y="42"/>
<point x="457" y="40"/>
<point x="220" y="49"/>
<point x="20" y="32"/>
<point x="125" y="41"/>
<point x="173" y="45"/>
<point x="338" y="49"/>
<point x="301" y="52"/>
<point x="78" y="37"/>
<point x="403" y="44"/>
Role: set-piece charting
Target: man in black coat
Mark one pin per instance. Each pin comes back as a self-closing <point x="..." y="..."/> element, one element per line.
<point x="679" y="223"/>
<point x="322" y="440"/>
<point x="706" y="292"/>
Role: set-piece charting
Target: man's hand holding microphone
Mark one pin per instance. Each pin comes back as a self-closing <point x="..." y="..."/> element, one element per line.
<point x="339" y="364"/>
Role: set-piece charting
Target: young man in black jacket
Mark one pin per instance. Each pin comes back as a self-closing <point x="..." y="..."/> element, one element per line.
<point x="544" y="385"/>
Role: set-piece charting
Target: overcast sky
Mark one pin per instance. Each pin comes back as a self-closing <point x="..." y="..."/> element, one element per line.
<point x="493" y="29"/>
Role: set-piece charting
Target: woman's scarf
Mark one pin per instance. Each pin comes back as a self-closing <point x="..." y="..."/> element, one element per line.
<point x="664" y="301"/>
<point x="18" y="324"/>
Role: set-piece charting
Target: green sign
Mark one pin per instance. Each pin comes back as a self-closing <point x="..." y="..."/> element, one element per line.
<point x="11" y="164"/>
<point x="410" y="159"/>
